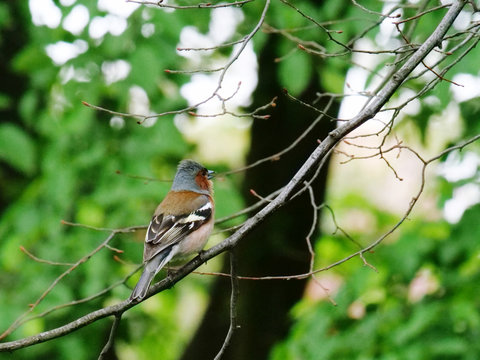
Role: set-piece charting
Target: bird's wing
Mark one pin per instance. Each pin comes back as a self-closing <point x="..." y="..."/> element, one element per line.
<point x="166" y="230"/>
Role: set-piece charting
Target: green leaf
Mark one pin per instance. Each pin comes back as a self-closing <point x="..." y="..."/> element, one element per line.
<point x="144" y="61"/>
<point x="295" y="72"/>
<point x="28" y="105"/>
<point x="422" y="119"/>
<point x="5" y="17"/>
<point x="17" y="148"/>
<point x="470" y="111"/>
<point x="4" y="101"/>
<point x="332" y="81"/>
<point x="90" y="213"/>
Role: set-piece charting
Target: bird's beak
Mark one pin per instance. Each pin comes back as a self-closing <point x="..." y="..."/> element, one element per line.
<point x="210" y="174"/>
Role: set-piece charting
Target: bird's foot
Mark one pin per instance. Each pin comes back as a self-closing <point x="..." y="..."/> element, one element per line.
<point x="172" y="271"/>
<point x="201" y="255"/>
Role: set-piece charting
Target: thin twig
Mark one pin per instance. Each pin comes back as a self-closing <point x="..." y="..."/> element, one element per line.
<point x="80" y="301"/>
<point x="185" y="7"/>
<point x="111" y="336"/>
<point x="21" y="319"/>
<point x="233" y="304"/>
<point x="308" y="240"/>
<point x="37" y="259"/>
<point x="224" y="69"/>
<point x="278" y="155"/>
<point x="421" y="14"/>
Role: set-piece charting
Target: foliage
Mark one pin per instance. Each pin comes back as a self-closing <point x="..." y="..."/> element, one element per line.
<point x="77" y="163"/>
<point x="73" y="163"/>
<point x="381" y="315"/>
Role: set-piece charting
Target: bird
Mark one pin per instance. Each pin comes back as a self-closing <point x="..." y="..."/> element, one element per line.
<point x="181" y="224"/>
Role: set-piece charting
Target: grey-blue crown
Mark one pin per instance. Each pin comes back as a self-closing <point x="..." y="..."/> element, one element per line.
<point x="185" y="177"/>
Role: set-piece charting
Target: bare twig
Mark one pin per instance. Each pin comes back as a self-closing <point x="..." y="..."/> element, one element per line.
<point x="139" y="177"/>
<point x="37" y="259"/>
<point x="278" y="155"/>
<point x="80" y="301"/>
<point x="249" y="209"/>
<point x="111" y="337"/>
<point x="21" y="318"/>
<point x="308" y="239"/>
<point x="223" y="70"/>
<point x="421" y="14"/>
<point x="213" y="47"/>
<point x="185" y="7"/>
<point x="233" y="304"/>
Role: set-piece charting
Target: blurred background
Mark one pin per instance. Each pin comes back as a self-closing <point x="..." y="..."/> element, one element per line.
<point x="64" y="163"/>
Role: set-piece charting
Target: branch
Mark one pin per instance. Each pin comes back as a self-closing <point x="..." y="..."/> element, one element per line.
<point x="223" y="70"/>
<point x="361" y="252"/>
<point x="22" y="318"/>
<point x="111" y="337"/>
<point x="276" y="156"/>
<point x="233" y="305"/>
<point x="198" y="6"/>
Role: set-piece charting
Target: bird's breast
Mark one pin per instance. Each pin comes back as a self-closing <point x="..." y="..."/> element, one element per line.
<point x="195" y="241"/>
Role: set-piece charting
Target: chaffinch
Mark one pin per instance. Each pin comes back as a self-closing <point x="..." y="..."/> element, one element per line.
<point x="181" y="223"/>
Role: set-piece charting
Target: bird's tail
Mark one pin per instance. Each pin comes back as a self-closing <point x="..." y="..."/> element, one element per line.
<point x="142" y="286"/>
<point x="152" y="267"/>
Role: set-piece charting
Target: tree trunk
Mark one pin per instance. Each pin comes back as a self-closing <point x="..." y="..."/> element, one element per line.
<point x="14" y="37"/>
<point x="277" y="246"/>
